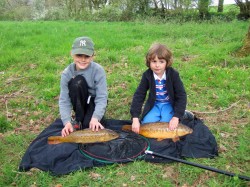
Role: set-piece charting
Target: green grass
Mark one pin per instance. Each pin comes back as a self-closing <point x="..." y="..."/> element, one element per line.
<point x="33" y="55"/>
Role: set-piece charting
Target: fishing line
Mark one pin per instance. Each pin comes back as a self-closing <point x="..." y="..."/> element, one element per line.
<point x="199" y="165"/>
<point x="101" y="159"/>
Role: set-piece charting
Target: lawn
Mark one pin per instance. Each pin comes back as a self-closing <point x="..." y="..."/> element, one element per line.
<point x="217" y="81"/>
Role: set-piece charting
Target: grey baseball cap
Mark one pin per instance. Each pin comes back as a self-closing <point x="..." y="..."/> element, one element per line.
<point x="83" y="45"/>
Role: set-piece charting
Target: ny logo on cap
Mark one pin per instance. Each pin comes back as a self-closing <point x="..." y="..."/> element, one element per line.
<point x="82" y="42"/>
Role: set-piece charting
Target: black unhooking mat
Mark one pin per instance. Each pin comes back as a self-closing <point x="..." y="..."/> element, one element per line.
<point x="68" y="157"/>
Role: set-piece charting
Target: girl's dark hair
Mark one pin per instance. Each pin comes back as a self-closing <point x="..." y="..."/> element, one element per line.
<point x="162" y="52"/>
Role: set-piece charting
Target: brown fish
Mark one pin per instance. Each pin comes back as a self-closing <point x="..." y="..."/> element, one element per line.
<point x="160" y="130"/>
<point x="85" y="136"/>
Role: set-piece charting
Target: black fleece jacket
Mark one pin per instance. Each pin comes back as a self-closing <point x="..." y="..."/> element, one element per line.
<point x="175" y="88"/>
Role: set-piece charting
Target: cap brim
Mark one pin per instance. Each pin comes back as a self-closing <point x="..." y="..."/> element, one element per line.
<point x="82" y="51"/>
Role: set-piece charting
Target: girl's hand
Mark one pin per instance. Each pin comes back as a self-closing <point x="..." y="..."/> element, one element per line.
<point x="136" y="125"/>
<point x="173" y="124"/>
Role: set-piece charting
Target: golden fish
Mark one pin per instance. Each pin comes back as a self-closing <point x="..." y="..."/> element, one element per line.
<point x="85" y="136"/>
<point x="160" y="130"/>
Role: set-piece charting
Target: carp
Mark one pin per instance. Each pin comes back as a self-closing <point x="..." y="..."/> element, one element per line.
<point x="160" y="130"/>
<point x="85" y="136"/>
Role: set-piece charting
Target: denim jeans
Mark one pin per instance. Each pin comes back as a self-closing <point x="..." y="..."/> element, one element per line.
<point x="161" y="112"/>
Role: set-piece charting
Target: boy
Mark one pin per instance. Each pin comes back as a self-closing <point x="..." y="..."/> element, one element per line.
<point x="83" y="87"/>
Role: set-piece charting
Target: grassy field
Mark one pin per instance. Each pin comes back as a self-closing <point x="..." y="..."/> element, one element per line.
<point x="33" y="55"/>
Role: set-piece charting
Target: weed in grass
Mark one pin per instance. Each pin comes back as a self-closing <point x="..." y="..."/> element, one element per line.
<point x="4" y="124"/>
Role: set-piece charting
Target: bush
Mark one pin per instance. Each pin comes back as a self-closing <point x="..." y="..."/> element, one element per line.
<point x="18" y="14"/>
<point x="56" y="13"/>
<point x="229" y="16"/>
<point x="107" y="14"/>
<point x="4" y="124"/>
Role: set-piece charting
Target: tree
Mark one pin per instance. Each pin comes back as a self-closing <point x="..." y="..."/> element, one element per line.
<point x="76" y="7"/>
<point x="15" y="10"/>
<point x="203" y="8"/>
<point x="143" y="6"/>
<point x="220" y="6"/>
<point x="244" y="9"/>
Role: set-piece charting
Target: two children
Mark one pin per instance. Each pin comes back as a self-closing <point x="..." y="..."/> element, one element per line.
<point x="84" y="87"/>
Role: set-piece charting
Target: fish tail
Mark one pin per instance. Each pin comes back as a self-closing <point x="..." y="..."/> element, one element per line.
<point x="54" y="140"/>
<point x="127" y="127"/>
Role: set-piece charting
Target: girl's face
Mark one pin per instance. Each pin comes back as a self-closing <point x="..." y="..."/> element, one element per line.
<point x="82" y="61"/>
<point x="158" y="66"/>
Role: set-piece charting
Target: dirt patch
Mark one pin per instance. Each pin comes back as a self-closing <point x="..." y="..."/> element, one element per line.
<point x="20" y="114"/>
<point x="245" y="49"/>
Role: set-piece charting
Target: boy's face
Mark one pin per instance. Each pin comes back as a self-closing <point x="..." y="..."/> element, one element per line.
<point x="82" y="61"/>
<point x="158" y="66"/>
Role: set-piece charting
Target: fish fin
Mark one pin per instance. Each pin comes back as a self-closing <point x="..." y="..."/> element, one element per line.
<point x="54" y="140"/>
<point x="175" y="139"/>
<point x="159" y="139"/>
<point x="127" y="127"/>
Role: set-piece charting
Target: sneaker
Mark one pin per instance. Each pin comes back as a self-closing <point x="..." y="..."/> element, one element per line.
<point x="188" y="115"/>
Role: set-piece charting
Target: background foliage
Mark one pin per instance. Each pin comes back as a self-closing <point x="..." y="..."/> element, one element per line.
<point x="122" y="10"/>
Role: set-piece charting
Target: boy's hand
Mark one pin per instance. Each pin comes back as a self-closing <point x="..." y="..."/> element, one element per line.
<point x="136" y="125"/>
<point x="173" y="124"/>
<point x="68" y="128"/>
<point x="94" y="124"/>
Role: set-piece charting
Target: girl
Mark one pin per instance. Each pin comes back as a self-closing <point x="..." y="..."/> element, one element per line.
<point x="167" y="97"/>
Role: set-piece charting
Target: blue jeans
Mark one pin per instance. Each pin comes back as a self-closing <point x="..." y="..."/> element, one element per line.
<point x="161" y="112"/>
